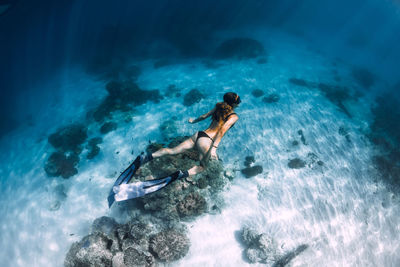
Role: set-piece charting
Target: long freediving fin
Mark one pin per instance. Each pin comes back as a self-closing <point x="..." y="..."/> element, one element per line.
<point x="139" y="189"/>
<point x="127" y="175"/>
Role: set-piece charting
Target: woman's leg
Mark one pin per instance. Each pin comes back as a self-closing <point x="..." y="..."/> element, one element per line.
<point x="195" y="170"/>
<point x="185" y="145"/>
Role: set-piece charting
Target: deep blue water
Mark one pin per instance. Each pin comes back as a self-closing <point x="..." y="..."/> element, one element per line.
<point x="38" y="38"/>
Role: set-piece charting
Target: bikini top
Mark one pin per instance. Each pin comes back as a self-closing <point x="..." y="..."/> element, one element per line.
<point x="227" y="117"/>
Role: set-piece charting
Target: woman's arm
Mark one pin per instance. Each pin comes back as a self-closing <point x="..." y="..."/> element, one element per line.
<point x="202" y="117"/>
<point x="217" y="139"/>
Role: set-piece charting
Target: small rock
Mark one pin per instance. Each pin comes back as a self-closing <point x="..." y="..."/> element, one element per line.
<point x="248" y="161"/>
<point x="296" y="163"/>
<point x="271" y="98"/>
<point x="302" y="138"/>
<point x="257" y="93"/>
<point x="252" y="171"/>
<point x="55" y="205"/>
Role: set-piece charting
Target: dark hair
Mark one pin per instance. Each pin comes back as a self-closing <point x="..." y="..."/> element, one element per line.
<point x="225" y="108"/>
<point x="231" y="98"/>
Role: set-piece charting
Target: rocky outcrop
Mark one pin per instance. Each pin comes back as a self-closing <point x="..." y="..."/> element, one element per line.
<point x="260" y="248"/>
<point x="92" y="250"/>
<point x="135" y="243"/>
<point x="263" y="248"/>
<point x="192" y="97"/>
<point x="239" y="48"/>
<point x="69" y="138"/>
<point x="59" y="164"/>
<point x="68" y="142"/>
<point x="123" y="96"/>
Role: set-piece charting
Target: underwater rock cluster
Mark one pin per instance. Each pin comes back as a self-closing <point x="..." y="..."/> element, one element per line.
<point x="251" y="171"/>
<point x="59" y="164"/>
<point x="123" y="96"/>
<point x="239" y="48"/>
<point x="260" y="248"/>
<point x="135" y="243"/>
<point x="312" y="161"/>
<point x="263" y="248"/>
<point x="192" y="97"/>
<point x="68" y="142"/>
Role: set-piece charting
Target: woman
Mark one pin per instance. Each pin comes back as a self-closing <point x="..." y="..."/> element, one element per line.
<point x="206" y="142"/>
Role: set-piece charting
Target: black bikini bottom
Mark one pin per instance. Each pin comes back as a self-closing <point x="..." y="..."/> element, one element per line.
<point x="202" y="134"/>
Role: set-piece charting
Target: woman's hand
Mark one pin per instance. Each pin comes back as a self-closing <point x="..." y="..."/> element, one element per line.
<point x="214" y="153"/>
<point x="191" y="120"/>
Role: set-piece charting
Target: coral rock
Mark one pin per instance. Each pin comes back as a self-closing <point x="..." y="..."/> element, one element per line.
<point x="192" y="204"/>
<point x="252" y="171"/>
<point x="192" y="97"/>
<point x="169" y="245"/>
<point x="296" y="163"/>
<point x="59" y="164"/>
<point x="69" y="138"/>
<point x="92" y="250"/>
<point x="134" y="257"/>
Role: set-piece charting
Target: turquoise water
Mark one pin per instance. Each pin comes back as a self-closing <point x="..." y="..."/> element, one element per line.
<point x="326" y="181"/>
